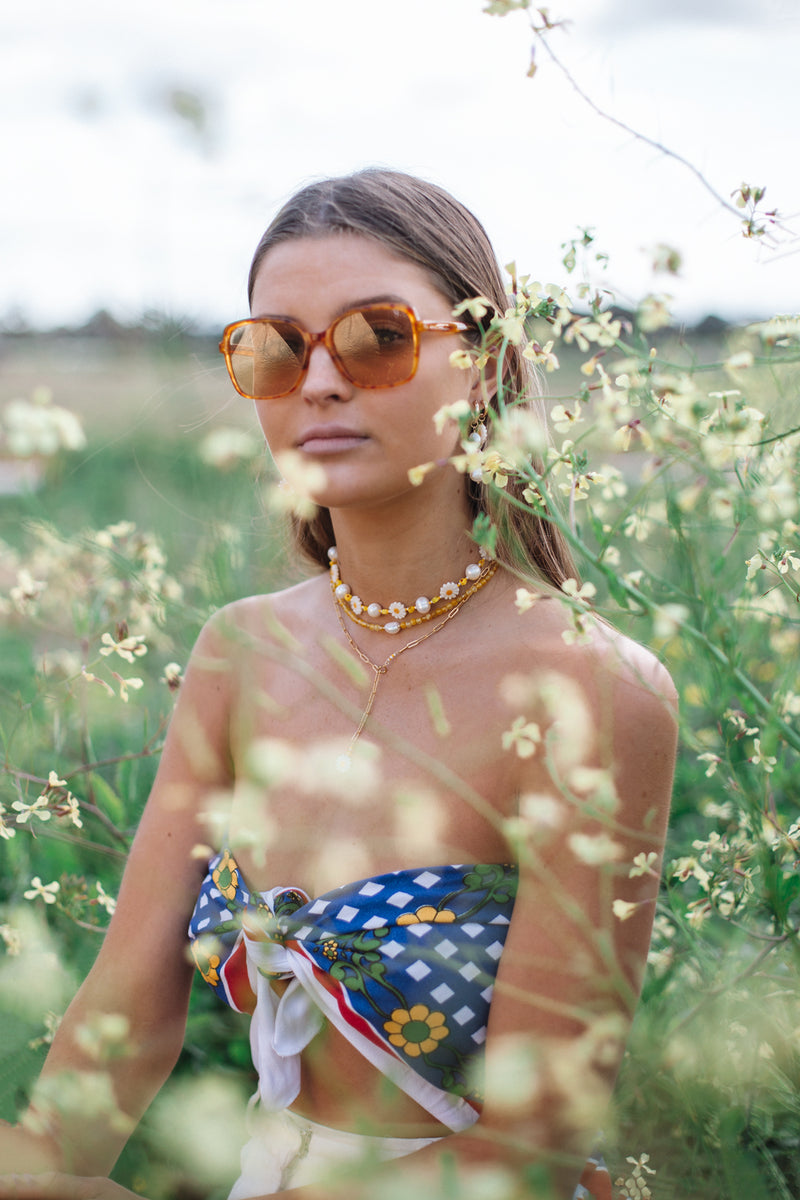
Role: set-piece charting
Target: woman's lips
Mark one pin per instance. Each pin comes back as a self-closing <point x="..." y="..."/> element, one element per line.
<point x="332" y="439"/>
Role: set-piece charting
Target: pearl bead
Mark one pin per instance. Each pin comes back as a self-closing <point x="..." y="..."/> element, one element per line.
<point x="473" y="571"/>
<point x="392" y="627"/>
<point x="373" y="610"/>
<point x="422" y="604"/>
<point x="342" y="590"/>
<point x="333" y="554"/>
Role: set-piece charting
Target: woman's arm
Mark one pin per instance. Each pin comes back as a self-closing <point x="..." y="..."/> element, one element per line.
<point x="142" y="972"/>
<point x="594" y="798"/>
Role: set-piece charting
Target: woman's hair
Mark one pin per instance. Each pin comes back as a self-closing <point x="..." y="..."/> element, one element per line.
<point x="422" y="223"/>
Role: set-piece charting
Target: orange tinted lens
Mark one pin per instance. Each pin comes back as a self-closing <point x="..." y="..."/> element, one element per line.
<point x="375" y="346"/>
<point x="267" y="358"/>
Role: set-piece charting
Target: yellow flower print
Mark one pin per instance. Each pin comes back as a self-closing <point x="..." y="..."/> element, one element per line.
<point x="226" y="876"/>
<point x="330" y="948"/>
<point x="427" y="915"/>
<point x="207" y="964"/>
<point x="417" y="1030"/>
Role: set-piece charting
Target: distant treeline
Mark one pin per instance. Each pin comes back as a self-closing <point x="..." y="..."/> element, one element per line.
<point x="155" y="326"/>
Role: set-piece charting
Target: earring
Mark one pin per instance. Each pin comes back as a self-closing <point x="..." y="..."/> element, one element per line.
<point x="478" y="433"/>
<point x="479" y="436"/>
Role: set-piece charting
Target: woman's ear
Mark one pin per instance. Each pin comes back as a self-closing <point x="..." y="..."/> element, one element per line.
<point x="484" y="383"/>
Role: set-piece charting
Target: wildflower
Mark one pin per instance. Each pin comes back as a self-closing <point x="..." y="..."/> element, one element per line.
<point x="226" y="446"/>
<point x="564" y="418"/>
<point x="643" y="865"/>
<point x="623" y="909"/>
<point x="787" y="561"/>
<point x="417" y="474"/>
<point x="6" y="831"/>
<point x="124" y="684"/>
<point x="172" y="676"/>
<point x="47" y="891"/>
<point x="687" y="868"/>
<point x="104" y="900"/>
<point x="525" y="599"/>
<point x="523" y="736"/>
<point x="476" y="306"/>
<point x="12" y="939"/>
<point x="27" y="812"/>
<point x="713" y="761"/>
<point x="654" y="313"/>
<point x="622" y="437"/>
<point x="767" y="761"/>
<point x="542" y="355"/>
<point x="90" y="678"/>
<point x="27" y="590"/>
<point x="128" y="647"/>
<point x="594" y="849"/>
<point x="495" y="469"/>
<point x="754" y="565"/>
<point x="462" y="359"/>
<point x="581" y="594"/>
<point x="637" y="526"/>
<point x="68" y="806"/>
<point x="51" y="1023"/>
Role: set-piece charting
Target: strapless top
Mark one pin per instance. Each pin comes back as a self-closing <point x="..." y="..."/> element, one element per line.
<point x="403" y="964"/>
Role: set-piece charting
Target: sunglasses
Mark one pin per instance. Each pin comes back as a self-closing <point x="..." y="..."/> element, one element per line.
<point x="376" y="346"/>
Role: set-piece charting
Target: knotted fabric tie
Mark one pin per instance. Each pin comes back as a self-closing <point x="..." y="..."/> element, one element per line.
<point x="281" y="1026"/>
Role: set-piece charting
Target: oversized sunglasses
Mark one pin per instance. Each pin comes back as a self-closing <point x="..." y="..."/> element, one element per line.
<point x="376" y="346"/>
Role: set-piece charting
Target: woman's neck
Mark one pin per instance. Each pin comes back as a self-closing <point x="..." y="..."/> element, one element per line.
<point x="384" y="559"/>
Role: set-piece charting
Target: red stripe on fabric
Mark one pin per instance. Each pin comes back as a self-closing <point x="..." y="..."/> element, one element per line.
<point x="235" y="980"/>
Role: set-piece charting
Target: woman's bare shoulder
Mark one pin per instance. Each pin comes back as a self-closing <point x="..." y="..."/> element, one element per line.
<point x="590" y="650"/>
<point x="260" y="614"/>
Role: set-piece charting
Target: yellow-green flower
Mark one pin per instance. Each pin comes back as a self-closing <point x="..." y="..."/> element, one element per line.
<point x="427" y="915"/>
<point x="226" y="876"/>
<point x="207" y="964"/>
<point x="416" y="1030"/>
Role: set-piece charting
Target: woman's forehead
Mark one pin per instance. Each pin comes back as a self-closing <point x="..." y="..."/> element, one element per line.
<point x="336" y="269"/>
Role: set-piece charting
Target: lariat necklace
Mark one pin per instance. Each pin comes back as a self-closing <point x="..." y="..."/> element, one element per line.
<point x="427" y="609"/>
<point x="344" y="761"/>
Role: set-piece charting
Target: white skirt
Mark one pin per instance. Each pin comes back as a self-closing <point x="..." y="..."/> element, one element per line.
<point x="287" y="1151"/>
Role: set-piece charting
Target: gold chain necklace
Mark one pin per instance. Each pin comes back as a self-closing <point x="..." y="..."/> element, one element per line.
<point x="344" y="761"/>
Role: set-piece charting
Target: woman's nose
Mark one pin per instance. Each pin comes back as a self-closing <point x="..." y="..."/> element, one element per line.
<point x="323" y="380"/>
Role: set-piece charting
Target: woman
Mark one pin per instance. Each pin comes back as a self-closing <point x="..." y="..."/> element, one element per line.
<point x="393" y="713"/>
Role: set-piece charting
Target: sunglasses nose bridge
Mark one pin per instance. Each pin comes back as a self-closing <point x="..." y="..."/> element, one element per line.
<point x="322" y="339"/>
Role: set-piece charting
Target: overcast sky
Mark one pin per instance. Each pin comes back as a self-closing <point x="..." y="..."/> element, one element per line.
<point x="146" y="146"/>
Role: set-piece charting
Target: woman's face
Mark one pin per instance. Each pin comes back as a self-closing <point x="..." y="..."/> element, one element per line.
<point x="361" y="442"/>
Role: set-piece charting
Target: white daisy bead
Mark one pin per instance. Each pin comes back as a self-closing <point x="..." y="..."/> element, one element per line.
<point x="448" y="591"/>
<point x="374" y="611"/>
<point x="355" y="605"/>
<point x="397" y="610"/>
<point x="422" y="604"/>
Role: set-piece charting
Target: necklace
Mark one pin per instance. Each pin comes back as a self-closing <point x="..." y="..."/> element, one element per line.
<point x="344" y="761"/>
<point x="426" y="608"/>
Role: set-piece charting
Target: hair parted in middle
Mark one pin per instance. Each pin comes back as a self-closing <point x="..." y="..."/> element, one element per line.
<point x="424" y="224"/>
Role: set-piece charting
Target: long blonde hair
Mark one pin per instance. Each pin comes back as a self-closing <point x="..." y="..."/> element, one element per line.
<point x="423" y="223"/>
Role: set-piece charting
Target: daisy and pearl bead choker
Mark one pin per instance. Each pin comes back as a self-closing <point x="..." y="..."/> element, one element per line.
<point x="424" y="608"/>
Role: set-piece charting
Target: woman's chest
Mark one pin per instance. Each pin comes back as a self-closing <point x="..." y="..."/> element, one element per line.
<point x="426" y="781"/>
